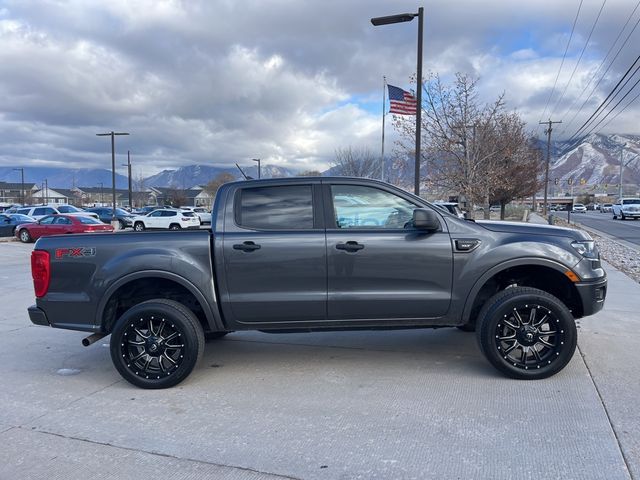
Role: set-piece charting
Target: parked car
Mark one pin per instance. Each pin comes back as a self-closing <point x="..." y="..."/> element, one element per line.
<point x="59" y="225"/>
<point x="450" y="207"/>
<point x="281" y="259"/>
<point x="606" y="208"/>
<point x="145" y="210"/>
<point x="579" y="208"/>
<point x="494" y="208"/>
<point x="36" y="211"/>
<point x="9" y="222"/>
<point x="71" y="210"/>
<point x="626" y="208"/>
<point x="166" y="218"/>
<point x="125" y="219"/>
<point x="204" y="214"/>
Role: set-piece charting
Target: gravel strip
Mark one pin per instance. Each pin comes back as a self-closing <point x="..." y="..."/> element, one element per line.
<point x="620" y="256"/>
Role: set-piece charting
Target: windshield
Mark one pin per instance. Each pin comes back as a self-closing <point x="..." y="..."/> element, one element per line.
<point x="68" y="209"/>
<point x="631" y="201"/>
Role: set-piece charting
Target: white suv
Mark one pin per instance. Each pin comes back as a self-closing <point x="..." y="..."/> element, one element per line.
<point x="75" y="211"/>
<point x="166" y="218"/>
<point x="36" y="212"/>
<point x="626" y="208"/>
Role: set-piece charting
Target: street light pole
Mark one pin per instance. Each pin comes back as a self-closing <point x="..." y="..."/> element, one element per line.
<point x="257" y="160"/>
<point x="622" y="165"/>
<point x="400" y="18"/>
<point x="21" y="184"/>
<point x="128" y="165"/>
<point x="112" y="134"/>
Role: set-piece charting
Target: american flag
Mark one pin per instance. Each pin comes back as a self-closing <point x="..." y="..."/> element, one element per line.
<point x="401" y="102"/>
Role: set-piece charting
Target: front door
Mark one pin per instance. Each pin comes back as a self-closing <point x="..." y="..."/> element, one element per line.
<point x="380" y="267"/>
<point x="275" y="267"/>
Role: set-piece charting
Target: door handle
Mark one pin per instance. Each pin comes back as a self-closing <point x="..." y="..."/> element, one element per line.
<point x="246" y="246"/>
<point x="350" y="246"/>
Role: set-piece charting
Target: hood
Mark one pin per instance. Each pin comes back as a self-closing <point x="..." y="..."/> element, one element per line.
<point x="533" y="229"/>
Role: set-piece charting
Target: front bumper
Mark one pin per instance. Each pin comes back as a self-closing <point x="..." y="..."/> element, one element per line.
<point x="631" y="214"/>
<point x="592" y="295"/>
<point x="37" y="316"/>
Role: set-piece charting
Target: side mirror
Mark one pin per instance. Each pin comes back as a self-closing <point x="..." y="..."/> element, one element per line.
<point x="425" y="219"/>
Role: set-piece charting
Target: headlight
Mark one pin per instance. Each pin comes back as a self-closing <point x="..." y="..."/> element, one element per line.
<point x="586" y="248"/>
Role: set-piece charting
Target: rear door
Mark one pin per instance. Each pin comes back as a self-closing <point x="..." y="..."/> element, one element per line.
<point x="274" y="249"/>
<point x="379" y="266"/>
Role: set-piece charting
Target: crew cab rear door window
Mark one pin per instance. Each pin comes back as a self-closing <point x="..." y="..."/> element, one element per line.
<point x="288" y="207"/>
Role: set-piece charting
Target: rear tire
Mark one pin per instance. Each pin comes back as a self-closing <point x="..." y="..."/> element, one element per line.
<point x="526" y="333"/>
<point x="174" y="226"/>
<point x="25" y="236"/>
<point x="156" y="344"/>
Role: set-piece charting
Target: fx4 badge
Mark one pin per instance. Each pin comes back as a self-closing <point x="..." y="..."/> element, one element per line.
<point x="75" y="252"/>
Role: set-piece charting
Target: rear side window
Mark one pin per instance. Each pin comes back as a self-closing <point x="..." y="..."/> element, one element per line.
<point x="24" y="211"/>
<point x="169" y="213"/>
<point x="288" y="207"/>
<point x="44" y="211"/>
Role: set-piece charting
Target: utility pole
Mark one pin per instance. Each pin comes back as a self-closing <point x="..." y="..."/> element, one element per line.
<point x="257" y="160"/>
<point x="128" y="165"/>
<point x="22" y="185"/>
<point x="46" y="186"/>
<point x="546" y="169"/>
<point x="112" y="134"/>
<point x="101" y="194"/>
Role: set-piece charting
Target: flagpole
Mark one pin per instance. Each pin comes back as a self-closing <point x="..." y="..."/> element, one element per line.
<point x="384" y="101"/>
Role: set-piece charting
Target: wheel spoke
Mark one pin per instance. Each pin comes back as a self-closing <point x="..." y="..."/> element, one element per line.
<point x="150" y="323"/>
<point x="532" y="316"/>
<point x="174" y="347"/>
<point x="141" y="334"/>
<point x="131" y="342"/>
<point x="169" y="358"/>
<point x="544" y="333"/>
<point x="170" y="337"/>
<point x="159" y="334"/>
<point x="523" y="357"/>
<point x="161" y="364"/>
<point x="511" y="347"/>
<point x="545" y="342"/>
<point x="140" y="355"/>
<point x="536" y="353"/>
<point x="510" y="325"/>
<point x="518" y="318"/>
<point x="147" y="362"/>
<point x="541" y="321"/>
<point x="510" y="337"/>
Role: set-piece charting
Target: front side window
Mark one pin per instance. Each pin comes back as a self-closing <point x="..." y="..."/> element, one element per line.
<point x="288" y="207"/>
<point x="62" y="221"/>
<point x="367" y="207"/>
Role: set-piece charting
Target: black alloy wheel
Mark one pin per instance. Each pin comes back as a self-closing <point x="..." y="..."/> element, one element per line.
<point x="25" y="237"/>
<point x="139" y="227"/>
<point x="157" y="344"/>
<point x="526" y="333"/>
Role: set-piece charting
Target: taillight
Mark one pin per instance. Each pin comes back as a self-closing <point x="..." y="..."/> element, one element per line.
<point x="40" y="271"/>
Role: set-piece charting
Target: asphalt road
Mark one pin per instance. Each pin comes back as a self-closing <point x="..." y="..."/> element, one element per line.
<point x="627" y="230"/>
<point x="417" y="404"/>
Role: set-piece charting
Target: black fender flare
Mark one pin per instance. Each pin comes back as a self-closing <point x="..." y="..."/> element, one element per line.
<point x="213" y="317"/>
<point x="517" y="262"/>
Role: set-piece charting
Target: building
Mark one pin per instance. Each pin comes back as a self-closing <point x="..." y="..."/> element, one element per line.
<point x="11" y="193"/>
<point x="176" y="197"/>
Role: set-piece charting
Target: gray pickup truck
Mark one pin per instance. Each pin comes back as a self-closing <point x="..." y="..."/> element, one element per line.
<point x="311" y="254"/>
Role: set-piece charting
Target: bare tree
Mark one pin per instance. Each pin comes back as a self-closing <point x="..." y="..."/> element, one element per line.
<point x="139" y="193"/>
<point x="356" y="162"/>
<point x="461" y="137"/>
<point x="213" y="185"/>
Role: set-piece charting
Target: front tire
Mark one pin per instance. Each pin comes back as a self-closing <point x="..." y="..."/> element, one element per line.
<point x="526" y="333"/>
<point x="156" y="344"/>
<point x="174" y="226"/>
<point x="139" y="227"/>
<point x="622" y="216"/>
<point x="25" y="236"/>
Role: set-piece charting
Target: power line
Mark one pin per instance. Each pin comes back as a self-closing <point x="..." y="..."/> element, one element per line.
<point x="568" y="124"/>
<point x="562" y="62"/>
<point x="596" y="113"/>
<point x="619" y="102"/>
<point x="580" y="57"/>
<point x="623" y="109"/>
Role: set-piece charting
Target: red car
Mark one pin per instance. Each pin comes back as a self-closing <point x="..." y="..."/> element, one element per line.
<point x="58" y="225"/>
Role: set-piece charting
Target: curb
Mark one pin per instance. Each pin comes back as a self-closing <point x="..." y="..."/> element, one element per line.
<point x="8" y="239"/>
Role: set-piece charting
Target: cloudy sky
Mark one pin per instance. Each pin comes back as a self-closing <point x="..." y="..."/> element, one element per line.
<point x="223" y="81"/>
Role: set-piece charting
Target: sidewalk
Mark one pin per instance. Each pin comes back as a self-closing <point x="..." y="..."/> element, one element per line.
<point x="609" y="342"/>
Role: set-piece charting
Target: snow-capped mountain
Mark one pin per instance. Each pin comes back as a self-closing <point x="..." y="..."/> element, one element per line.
<point x="193" y="175"/>
<point x="596" y="160"/>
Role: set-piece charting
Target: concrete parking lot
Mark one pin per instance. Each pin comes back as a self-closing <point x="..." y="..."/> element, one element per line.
<point x="420" y="404"/>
